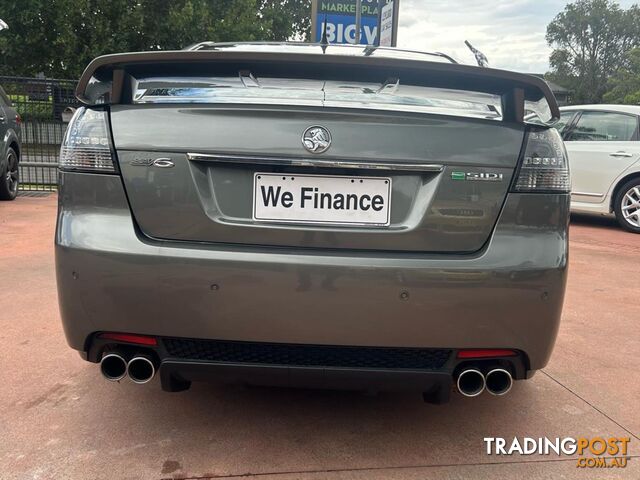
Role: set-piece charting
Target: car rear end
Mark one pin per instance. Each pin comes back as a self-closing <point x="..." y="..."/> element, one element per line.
<point x="308" y="216"/>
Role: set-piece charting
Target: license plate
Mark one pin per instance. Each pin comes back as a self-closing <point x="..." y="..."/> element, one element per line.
<point x="321" y="199"/>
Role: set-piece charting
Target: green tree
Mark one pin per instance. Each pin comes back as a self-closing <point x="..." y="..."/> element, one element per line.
<point x="590" y="39"/>
<point x="288" y="19"/>
<point x="624" y="86"/>
<point x="59" y="37"/>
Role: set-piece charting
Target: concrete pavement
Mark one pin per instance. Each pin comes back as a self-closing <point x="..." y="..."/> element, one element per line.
<point x="60" y="420"/>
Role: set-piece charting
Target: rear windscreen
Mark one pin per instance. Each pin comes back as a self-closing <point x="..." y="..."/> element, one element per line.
<point x="245" y="88"/>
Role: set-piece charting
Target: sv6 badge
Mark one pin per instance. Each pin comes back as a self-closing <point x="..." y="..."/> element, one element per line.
<point x="150" y="162"/>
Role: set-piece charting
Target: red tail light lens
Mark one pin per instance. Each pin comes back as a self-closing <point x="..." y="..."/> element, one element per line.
<point x="484" y="353"/>
<point x="130" y="338"/>
<point x="18" y="119"/>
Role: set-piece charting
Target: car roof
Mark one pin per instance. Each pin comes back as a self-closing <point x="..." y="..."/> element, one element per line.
<point x="635" y="109"/>
<point x="321" y="49"/>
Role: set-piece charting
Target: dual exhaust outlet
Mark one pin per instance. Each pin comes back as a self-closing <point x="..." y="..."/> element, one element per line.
<point x="472" y="382"/>
<point x="140" y="369"/>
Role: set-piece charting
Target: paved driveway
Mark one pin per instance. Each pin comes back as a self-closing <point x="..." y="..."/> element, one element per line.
<point x="59" y="419"/>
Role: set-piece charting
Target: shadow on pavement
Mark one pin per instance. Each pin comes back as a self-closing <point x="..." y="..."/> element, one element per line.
<point x="600" y="221"/>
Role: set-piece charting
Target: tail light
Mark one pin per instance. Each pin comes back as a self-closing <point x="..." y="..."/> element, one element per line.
<point x="87" y="145"/>
<point x="18" y="119"/>
<point x="544" y="166"/>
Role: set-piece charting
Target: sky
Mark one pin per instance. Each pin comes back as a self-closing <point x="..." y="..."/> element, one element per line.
<point x="511" y="33"/>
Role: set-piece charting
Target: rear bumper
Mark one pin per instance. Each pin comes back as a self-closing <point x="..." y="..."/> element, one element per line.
<point x="111" y="278"/>
<point x="181" y="361"/>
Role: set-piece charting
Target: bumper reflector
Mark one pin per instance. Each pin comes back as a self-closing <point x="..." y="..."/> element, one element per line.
<point x="484" y="353"/>
<point x="130" y="338"/>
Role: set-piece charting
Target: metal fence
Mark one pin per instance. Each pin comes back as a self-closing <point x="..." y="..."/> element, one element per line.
<point x="45" y="106"/>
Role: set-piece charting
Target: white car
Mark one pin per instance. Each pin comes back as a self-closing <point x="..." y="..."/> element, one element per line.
<point x="603" y="142"/>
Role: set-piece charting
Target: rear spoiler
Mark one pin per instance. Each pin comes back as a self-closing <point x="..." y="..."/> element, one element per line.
<point x="111" y="79"/>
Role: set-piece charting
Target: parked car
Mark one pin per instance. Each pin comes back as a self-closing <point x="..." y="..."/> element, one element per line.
<point x="10" y="134"/>
<point x="312" y="215"/>
<point x="603" y="142"/>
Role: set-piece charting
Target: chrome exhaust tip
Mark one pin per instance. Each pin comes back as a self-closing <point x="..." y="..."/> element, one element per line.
<point x="471" y="382"/>
<point x="113" y="367"/>
<point x="141" y="369"/>
<point x="499" y="381"/>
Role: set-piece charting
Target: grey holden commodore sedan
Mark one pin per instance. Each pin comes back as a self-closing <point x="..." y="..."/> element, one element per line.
<point x="315" y="216"/>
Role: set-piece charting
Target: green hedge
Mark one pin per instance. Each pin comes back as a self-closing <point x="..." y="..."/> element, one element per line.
<point x="31" y="110"/>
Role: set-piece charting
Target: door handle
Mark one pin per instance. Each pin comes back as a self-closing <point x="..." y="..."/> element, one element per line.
<point x="621" y="154"/>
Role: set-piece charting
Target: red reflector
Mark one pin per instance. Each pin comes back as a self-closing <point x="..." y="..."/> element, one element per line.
<point x="496" y="352"/>
<point x="129" y="338"/>
<point x="18" y="119"/>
